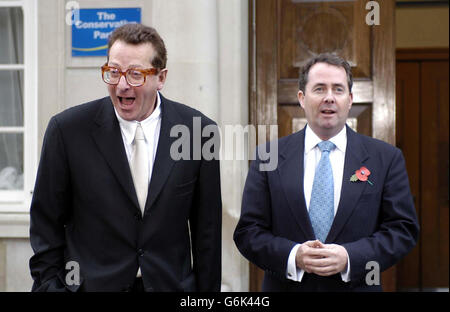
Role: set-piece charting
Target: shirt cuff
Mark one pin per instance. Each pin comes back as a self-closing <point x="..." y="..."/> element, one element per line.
<point x="292" y="272"/>
<point x="345" y="275"/>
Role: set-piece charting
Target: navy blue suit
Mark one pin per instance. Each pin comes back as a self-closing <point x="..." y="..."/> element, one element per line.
<point x="373" y="223"/>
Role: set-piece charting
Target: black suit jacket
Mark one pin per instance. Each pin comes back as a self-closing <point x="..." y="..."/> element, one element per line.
<point x="374" y="223"/>
<point x="85" y="208"/>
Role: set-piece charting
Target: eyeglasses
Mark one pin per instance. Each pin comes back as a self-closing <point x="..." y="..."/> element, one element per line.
<point x="134" y="76"/>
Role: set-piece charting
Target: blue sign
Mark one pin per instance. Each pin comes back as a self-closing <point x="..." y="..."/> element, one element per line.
<point x="91" y="28"/>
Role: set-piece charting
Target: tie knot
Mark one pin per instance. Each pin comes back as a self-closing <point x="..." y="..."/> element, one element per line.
<point x="326" y="146"/>
<point x="139" y="135"/>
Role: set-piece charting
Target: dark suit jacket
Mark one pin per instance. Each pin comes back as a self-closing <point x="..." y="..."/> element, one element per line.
<point x="374" y="223"/>
<point x="85" y="208"/>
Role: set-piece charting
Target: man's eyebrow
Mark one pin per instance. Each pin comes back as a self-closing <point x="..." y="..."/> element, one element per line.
<point x="320" y="84"/>
<point x="129" y="66"/>
<point x="135" y="66"/>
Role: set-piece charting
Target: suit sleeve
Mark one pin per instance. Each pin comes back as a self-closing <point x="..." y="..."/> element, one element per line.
<point x="49" y="208"/>
<point x="206" y="223"/>
<point x="253" y="234"/>
<point x="398" y="228"/>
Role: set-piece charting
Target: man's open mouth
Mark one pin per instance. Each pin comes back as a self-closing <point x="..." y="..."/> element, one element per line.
<point x="126" y="100"/>
<point x="327" y="111"/>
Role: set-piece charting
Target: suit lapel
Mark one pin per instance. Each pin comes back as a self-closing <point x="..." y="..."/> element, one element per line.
<point x="163" y="161"/>
<point x="291" y="173"/>
<point x="109" y="141"/>
<point x="355" y="156"/>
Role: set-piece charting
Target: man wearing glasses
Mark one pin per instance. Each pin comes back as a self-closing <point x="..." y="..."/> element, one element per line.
<point x="112" y="209"/>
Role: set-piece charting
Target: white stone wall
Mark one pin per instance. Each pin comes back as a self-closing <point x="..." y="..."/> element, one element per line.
<point x="14" y="273"/>
<point x="207" y="43"/>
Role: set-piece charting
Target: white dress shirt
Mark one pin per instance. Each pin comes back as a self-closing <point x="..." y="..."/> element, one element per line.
<point x="312" y="155"/>
<point x="151" y="127"/>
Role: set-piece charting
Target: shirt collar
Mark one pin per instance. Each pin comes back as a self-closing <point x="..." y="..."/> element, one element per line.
<point x="129" y="127"/>
<point x="311" y="139"/>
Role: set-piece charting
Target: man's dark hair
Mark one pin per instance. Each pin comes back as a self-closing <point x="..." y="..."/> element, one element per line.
<point x="328" y="58"/>
<point x="137" y="34"/>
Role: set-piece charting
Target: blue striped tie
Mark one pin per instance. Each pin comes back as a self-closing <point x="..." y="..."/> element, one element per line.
<point x="321" y="207"/>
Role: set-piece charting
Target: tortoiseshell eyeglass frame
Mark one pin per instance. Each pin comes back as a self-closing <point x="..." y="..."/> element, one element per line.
<point x="145" y="72"/>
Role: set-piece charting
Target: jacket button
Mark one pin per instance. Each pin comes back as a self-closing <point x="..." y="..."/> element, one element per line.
<point x="140" y="252"/>
<point x="137" y="216"/>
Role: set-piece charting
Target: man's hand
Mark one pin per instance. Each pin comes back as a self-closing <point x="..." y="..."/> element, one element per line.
<point x="321" y="259"/>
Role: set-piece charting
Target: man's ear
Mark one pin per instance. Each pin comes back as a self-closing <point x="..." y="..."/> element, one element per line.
<point x="351" y="101"/>
<point x="162" y="75"/>
<point x="301" y="97"/>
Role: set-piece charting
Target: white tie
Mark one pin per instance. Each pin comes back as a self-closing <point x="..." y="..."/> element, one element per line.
<point x="139" y="167"/>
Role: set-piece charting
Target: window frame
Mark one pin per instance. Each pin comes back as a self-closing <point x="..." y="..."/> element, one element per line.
<point x="14" y="201"/>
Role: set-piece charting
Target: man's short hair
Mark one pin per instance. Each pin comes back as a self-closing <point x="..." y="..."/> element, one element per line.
<point x="328" y="58"/>
<point x="137" y="34"/>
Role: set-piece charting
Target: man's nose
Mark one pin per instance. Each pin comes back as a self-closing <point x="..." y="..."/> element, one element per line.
<point x="123" y="83"/>
<point x="329" y="97"/>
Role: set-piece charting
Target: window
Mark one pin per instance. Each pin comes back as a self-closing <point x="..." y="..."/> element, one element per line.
<point x="18" y="104"/>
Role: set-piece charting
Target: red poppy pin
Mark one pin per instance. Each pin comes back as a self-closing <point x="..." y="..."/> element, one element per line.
<point x="361" y="174"/>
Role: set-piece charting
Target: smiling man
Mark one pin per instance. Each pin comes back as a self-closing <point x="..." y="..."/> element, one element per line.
<point x="312" y="224"/>
<point x="110" y="200"/>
